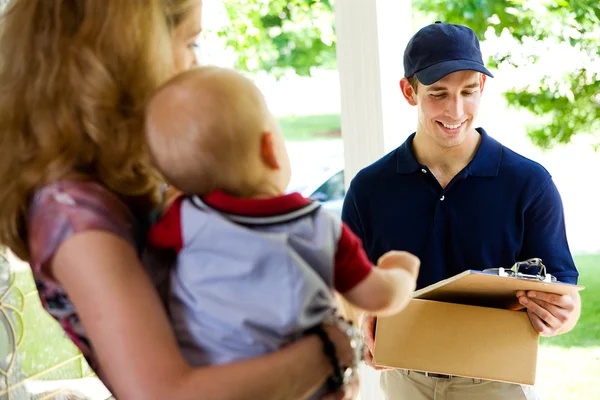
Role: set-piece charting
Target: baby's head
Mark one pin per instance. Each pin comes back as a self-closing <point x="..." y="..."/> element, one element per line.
<point x="210" y="129"/>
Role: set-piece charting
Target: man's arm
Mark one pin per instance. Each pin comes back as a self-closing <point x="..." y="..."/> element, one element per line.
<point x="545" y="238"/>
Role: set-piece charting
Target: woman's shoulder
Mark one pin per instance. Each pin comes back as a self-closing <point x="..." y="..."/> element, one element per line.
<point x="62" y="209"/>
<point x="71" y="193"/>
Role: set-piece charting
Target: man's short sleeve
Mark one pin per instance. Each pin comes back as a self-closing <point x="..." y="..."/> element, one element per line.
<point x="545" y="234"/>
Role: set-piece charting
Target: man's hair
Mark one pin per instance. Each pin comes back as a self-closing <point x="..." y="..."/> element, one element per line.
<point x="414" y="82"/>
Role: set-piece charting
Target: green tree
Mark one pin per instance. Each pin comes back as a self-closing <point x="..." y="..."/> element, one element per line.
<point x="568" y="105"/>
<point x="279" y="35"/>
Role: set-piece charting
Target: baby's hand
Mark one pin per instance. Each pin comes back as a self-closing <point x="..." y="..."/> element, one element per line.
<point x="400" y="259"/>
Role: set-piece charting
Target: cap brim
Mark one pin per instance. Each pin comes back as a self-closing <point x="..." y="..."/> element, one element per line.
<point x="434" y="73"/>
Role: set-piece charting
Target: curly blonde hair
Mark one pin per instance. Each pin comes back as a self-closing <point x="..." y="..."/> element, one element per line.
<point x="75" y="76"/>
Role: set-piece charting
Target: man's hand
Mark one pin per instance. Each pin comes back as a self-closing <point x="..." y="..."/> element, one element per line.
<point x="367" y="329"/>
<point x="551" y="314"/>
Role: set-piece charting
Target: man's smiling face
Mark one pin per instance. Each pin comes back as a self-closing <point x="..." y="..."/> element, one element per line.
<point x="447" y="109"/>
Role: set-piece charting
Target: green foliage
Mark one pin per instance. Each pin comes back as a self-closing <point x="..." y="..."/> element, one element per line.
<point x="568" y="105"/>
<point x="278" y="35"/>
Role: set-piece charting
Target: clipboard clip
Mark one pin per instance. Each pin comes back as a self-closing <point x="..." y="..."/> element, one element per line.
<point x="532" y="269"/>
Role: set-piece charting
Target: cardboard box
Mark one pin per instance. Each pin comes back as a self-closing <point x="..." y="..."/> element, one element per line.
<point x="465" y="326"/>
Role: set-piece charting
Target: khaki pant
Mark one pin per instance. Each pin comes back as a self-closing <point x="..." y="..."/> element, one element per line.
<point x="400" y="384"/>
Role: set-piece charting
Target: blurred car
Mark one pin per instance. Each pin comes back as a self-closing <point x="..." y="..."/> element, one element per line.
<point x="326" y="186"/>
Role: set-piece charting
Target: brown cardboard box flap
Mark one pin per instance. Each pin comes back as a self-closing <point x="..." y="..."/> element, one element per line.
<point x="483" y="289"/>
<point x="455" y="339"/>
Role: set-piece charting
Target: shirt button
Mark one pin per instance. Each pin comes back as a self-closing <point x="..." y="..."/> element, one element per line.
<point x="423" y="170"/>
<point x="442" y="198"/>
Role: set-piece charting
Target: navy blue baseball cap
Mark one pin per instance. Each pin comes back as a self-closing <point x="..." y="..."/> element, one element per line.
<point x="440" y="49"/>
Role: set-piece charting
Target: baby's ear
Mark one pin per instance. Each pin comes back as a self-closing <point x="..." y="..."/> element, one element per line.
<point x="267" y="151"/>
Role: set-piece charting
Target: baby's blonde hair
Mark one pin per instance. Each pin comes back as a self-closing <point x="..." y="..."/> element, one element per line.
<point x="204" y="128"/>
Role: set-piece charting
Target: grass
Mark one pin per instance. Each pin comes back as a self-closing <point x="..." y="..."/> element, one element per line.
<point x="310" y="127"/>
<point x="568" y="374"/>
<point x="587" y="331"/>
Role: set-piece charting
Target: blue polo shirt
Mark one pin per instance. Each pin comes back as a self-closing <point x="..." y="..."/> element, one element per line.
<point x="501" y="208"/>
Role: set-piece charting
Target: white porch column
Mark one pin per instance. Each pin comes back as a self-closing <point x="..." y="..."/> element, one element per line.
<point x="371" y="37"/>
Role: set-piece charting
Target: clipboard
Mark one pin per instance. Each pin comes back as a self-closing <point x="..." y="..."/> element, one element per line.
<point x="491" y="288"/>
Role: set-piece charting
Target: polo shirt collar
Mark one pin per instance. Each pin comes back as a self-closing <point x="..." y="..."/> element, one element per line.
<point x="256" y="207"/>
<point x="406" y="162"/>
<point x="486" y="162"/>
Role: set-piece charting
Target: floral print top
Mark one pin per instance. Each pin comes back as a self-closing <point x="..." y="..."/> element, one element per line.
<point x="57" y="212"/>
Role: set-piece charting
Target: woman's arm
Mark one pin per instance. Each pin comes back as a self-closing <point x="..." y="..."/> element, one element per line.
<point x="130" y="333"/>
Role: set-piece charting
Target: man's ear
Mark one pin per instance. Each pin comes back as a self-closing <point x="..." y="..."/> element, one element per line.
<point x="482" y="82"/>
<point x="408" y="92"/>
<point x="267" y="151"/>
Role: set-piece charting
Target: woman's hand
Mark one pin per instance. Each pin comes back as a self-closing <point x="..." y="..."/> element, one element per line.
<point x="346" y="354"/>
<point x="349" y="392"/>
<point x="344" y="351"/>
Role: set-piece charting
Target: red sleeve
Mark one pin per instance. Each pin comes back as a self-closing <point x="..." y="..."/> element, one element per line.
<point x="351" y="262"/>
<point x="166" y="233"/>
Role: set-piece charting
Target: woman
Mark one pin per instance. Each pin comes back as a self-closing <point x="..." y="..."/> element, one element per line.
<point x="77" y="187"/>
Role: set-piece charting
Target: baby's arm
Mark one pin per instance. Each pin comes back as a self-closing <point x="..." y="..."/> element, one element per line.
<point x="387" y="289"/>
<point x="384" y="290"/>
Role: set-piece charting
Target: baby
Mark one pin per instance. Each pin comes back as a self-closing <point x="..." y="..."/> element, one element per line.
<point x="256" y="268"/>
